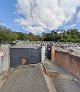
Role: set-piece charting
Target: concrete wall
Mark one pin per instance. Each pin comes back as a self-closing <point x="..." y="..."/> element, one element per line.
<point x="0" y="64"/>
<point x="6" y="57"/>
<point x="43" y="52"/>
<point x="68" y="61"/>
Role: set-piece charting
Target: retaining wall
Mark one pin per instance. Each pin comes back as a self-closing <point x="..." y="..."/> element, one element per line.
<point x="68" y="61"/>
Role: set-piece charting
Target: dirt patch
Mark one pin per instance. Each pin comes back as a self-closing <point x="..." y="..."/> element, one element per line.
<point x="53" y="75"/>
<point x="56" y="75"/>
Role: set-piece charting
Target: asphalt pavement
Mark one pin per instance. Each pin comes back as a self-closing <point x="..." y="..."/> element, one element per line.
<point x="25" y="79"/>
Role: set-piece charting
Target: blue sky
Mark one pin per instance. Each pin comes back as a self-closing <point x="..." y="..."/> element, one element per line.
<point x="73" y="22"/>
<point x="7" y="14"/>
<point x="39" y="16"/>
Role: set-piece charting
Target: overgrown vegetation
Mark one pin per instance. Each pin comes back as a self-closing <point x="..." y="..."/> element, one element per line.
<point x="71" y="35"/>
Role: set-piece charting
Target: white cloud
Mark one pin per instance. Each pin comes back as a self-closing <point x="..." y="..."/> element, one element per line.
<point x="78" y="16"/>
<point x="35" y="29"/>
<point x="69" y="6"/>
<point x="37" y="15"/>
<point x="72" y="26"/>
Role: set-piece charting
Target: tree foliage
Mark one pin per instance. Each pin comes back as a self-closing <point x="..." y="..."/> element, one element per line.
<point x="71" y="35"/>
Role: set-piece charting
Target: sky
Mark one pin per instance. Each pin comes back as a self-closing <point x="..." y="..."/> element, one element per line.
<point x="39" y="16"/>
<point x="7" y="15"/>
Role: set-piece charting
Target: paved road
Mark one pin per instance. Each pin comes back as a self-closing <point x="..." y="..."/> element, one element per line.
<point x="25" y="79"/>
<point x="61" y="85"/>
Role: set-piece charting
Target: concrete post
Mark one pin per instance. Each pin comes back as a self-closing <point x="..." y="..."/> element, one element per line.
<point x="1" y="61"/>
<point x="6" y="57"/>
<point x="43" y="51"/>
<point x="52" y="53"/>
<point x="0" y="64"/>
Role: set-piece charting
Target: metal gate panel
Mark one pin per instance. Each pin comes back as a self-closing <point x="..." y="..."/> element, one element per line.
<point x="32" y="56"/>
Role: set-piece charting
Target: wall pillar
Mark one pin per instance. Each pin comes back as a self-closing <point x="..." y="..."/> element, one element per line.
<point x="43" y="51"/>
<point x="0" y="64"/>
<point x="1" y="61"/>
<point x="52" y="53"/>
<point x="6" y="57"/>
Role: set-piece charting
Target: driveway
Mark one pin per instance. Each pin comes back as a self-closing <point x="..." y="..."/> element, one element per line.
<point x="25" y="79"/>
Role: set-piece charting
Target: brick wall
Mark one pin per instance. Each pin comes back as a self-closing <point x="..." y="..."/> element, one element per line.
<point x="70" y="62"/>
<point x="74" y="66"/>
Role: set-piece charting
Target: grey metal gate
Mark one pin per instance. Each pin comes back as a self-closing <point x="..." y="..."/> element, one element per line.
<point x="32" y="56"/>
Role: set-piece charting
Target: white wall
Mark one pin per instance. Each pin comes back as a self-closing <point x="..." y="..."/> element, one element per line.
<point x="6" y="57"/>
<point x="43" y="51"/>
<point x="0" y="64"/>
